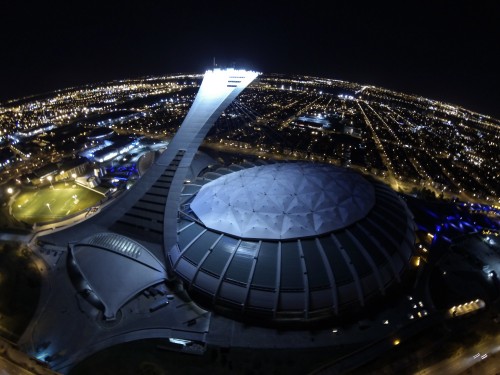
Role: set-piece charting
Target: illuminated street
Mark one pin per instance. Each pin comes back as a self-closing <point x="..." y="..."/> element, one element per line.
<point x="482" y="358"/>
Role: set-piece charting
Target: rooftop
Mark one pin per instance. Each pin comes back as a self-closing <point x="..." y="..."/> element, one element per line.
<point x="284" y="201"/>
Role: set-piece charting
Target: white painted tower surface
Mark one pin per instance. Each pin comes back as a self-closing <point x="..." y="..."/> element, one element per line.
<point x="218" y="89"/>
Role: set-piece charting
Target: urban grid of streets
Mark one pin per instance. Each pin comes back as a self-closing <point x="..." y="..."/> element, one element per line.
<point x="409" y="141"/>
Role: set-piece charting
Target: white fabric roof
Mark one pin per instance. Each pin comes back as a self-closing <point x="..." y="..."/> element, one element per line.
<point x="284" y="201"/>
<point x="117" y="268"/>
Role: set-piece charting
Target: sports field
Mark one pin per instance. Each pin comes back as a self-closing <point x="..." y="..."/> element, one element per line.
<point x="49" y="204"/>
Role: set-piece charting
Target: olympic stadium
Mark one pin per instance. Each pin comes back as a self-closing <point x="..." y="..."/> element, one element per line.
<point x="278" y="242"/>
<point x="290" y="241"/>
<point x="255" y="254"/>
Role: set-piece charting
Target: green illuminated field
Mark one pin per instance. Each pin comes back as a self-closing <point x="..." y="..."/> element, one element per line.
<point x="47" y="204"/>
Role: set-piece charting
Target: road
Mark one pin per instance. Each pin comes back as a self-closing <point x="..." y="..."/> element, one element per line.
<point x="467" y="358"/>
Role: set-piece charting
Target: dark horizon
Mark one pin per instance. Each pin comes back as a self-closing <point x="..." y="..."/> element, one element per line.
<point x="439" y="51"/>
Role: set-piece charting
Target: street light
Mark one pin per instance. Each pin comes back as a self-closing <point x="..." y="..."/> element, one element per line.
<point x="73" y="175"/>
<point x="50" y="180"/>
<point x="10" y="190"/>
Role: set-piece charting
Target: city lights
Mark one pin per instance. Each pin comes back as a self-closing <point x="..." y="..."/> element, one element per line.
<point x="296" y="254"/>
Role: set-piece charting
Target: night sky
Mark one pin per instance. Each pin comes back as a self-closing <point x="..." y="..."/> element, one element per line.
<point x="444" y="50"/>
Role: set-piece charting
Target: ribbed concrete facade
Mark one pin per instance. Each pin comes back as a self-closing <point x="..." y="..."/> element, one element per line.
<point x="316" y="276"/>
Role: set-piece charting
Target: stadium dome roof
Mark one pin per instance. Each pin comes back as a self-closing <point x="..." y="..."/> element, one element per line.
<point x="308" y="265"/>
<point x="284" y="201"/>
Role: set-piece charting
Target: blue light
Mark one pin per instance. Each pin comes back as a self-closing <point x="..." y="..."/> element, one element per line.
<point x="43" y="356"/>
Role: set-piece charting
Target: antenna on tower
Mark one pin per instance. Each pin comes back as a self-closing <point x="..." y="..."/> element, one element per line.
<point x="215" y="65"/>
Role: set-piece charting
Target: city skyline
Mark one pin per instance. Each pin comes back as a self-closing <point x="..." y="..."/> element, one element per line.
<point x="441" y="51"/>
<point x="409" y="141"/>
